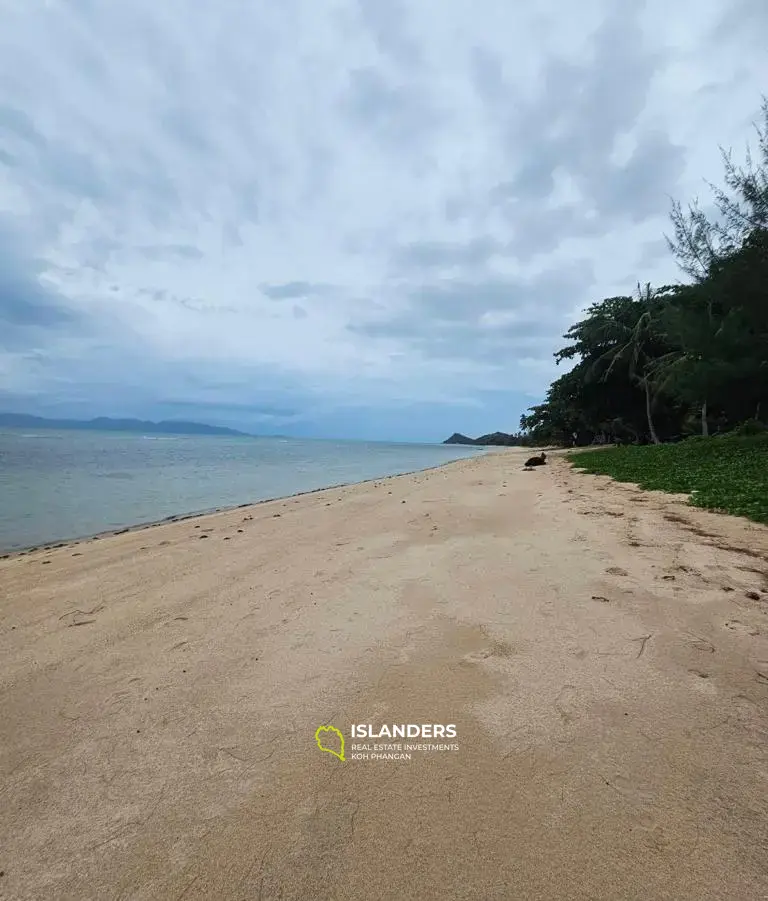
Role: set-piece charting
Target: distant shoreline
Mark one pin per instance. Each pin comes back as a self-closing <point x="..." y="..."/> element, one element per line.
<point x="121" y="425"/>
<point x="147" y="433"/>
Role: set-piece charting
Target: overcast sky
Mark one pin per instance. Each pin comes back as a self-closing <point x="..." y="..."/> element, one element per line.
<point x="355" y="218"/>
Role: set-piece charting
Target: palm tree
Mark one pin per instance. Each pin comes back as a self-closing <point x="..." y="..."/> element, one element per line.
<point x="634" y="338"/>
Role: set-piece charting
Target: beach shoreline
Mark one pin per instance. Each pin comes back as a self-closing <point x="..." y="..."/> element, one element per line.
<point x="599" y="652"/>
<point x="8" y="553"/>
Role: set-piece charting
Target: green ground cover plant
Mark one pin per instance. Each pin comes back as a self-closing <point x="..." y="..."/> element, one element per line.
<point x="726" y="473"/>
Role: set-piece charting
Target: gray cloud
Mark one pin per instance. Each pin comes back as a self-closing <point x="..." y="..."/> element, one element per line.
<point x="291" y="290"/>
<point x="650" y="252"/>
<point x="487" y="75"/>
<point x="72" y="170"/>
<point x="636" y="188"/>
<point x="194" y="304"/>
<point x="28" y="309"/>
<point x="488" y="319"/>
<point x="745" y="22"/>
<point x="393" y="205"/>
<point x="15" y="124"/>
<point x="571" y="126"/>
<point x="543" y="232"/>
<point x="386" y="21"/>
<point x="438" y="254"/>
<point x="170" y="251"/>
<point x="400" y="116"/>
<point x="224" y="408"/>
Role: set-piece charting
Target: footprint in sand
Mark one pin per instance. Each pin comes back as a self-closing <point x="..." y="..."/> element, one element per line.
<point x="628" y="788"/>
<point x="499" y="648"/>
<point x="690" y="570"/>
<point x="617" y="571"/>
<point x="477" y="656"/>
<point x="736" y="625"/>
<point x="701" y="644"/>
<point x="567" y="703"/>
<point x="547" y="609"/>
<point x="81" y="617"/>
<point x="658" y="838"/>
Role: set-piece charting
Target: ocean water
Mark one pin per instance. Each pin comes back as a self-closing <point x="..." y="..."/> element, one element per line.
<point x="56" y="486"/>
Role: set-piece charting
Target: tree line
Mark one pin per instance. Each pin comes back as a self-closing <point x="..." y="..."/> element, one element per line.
<point x="676" y="360"/>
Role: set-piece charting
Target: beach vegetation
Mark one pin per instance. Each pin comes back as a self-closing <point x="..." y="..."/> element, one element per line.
<point x="726" y="473"/>
<point x="670" y="361"/>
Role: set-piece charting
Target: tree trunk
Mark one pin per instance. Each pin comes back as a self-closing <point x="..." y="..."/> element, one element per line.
<point x="651" y="427"/>
<point x="704" y="423"/>
<point x="757" y="411"/>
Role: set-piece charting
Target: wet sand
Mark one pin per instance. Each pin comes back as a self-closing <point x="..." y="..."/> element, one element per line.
<point x="602" y="651"/>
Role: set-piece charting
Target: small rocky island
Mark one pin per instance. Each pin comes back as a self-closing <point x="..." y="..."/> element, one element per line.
<point x="495" y="439"/>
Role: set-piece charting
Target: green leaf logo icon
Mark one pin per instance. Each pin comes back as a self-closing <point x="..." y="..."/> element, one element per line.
<point x="321" y="736"/>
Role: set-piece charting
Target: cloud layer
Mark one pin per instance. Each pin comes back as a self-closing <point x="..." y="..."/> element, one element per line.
<point x="360" y="218"/>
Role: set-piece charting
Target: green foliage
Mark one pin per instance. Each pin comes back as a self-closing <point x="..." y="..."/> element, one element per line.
<point x="676" y="359"/>
<point x="750" y="427"/>
<point x="725" y="473"/>
<point x="700" y="244"/>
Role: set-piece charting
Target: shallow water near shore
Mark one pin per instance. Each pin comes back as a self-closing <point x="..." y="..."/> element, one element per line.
<point x="56" y="486"/>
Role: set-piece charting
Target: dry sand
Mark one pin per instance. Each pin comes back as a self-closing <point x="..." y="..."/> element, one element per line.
<point x="602" y="651"/>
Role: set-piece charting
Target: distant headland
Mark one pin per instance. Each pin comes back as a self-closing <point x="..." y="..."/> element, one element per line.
<point x="107" y="424"/>
<point x="498" y="439"/>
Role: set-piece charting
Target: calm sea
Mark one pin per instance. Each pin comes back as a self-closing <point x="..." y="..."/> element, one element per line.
<point x="56" y="486"/>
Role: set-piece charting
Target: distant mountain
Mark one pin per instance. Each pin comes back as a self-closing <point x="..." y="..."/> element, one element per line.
<point x="458" y="438"/>
<point x="495" y="439"/>
<point x="105" y="424"/>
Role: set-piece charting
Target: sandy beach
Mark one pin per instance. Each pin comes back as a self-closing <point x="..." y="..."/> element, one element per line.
<point x="602" y="652"/>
